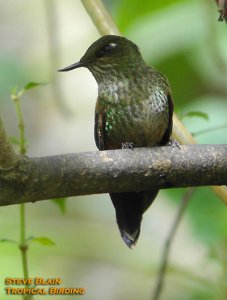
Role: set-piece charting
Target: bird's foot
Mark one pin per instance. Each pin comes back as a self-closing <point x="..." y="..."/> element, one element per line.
<point x="127" y="145"/>
<point x="174" y="143"/>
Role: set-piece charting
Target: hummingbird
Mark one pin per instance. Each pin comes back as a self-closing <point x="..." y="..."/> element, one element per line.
<point x="134" y="109"/>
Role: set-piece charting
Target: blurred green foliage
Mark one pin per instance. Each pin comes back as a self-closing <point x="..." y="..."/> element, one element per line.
<point x="184" y="41"/>
<point x="127" y="11"/>
<point x="15" y="74"/>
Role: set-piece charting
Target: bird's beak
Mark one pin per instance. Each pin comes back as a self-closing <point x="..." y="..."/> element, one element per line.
<point x="71" y="67"/>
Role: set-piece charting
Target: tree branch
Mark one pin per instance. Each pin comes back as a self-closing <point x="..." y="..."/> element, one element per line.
<point x="35" y="179"/>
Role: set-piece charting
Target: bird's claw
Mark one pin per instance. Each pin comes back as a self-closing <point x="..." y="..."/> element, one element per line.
<point x="173" y="143"/>
<point x="127" y="145"/>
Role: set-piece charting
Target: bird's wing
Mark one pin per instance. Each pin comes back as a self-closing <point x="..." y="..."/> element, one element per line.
<point x="166" y="136"/>
<point x="100" y="123"/>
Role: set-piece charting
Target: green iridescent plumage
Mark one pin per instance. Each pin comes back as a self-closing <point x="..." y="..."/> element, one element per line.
<point x="134" y="109"/>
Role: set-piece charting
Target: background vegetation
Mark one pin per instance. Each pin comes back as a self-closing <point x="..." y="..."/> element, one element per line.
<point x="185" y="42"/>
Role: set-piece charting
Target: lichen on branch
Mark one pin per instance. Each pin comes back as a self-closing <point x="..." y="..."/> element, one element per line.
<point x="8" y="156"/>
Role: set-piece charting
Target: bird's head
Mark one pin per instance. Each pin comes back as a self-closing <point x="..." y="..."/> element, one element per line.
<point x="110" y="52"/>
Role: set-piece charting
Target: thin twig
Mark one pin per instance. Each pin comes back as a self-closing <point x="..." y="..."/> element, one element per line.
<point x="101" y="17"/>
<point x="166" y="250"/>
<point x="222" y="5"/>
<point x="207" y="130"/>
<point x="22" y="140"/>
<point x="23" y="245"/>
<point x="213" y="44"/>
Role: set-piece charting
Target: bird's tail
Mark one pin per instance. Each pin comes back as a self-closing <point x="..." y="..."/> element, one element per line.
<point x="129" y="211"/>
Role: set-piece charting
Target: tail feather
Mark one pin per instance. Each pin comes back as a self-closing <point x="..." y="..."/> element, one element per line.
<point x="129" y="211"/>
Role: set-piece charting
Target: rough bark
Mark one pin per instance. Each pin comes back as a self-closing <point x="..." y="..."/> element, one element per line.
<point x="34" y="179"/>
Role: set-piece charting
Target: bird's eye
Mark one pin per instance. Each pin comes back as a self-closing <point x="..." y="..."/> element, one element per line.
<point x="106" y="50"/>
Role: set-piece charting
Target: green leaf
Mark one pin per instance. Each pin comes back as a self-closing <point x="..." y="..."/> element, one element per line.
<point x="16" y="93"/>
<point x="45" y="241"/>
<point x="31" y="85"/>
<point x="198" y="114"/>
<point x="61" y="203"/>
<point x="8" y="241"/>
